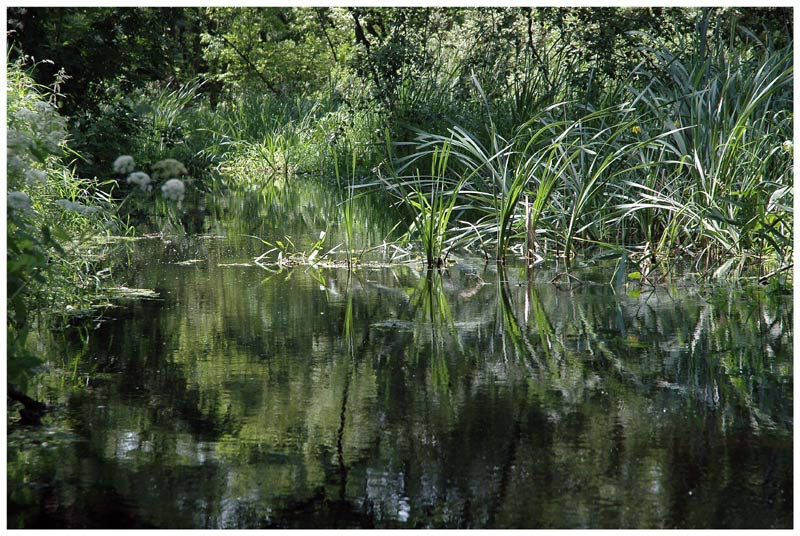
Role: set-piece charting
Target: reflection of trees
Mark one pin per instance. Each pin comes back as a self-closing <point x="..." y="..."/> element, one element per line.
<point x="300" y="213"/>
<point x="468" y="398"/>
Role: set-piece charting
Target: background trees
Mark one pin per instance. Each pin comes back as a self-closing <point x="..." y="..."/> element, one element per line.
<point x="390" y="50"/>
<point x="279" y="91"/>
<point x="262" y="93"/>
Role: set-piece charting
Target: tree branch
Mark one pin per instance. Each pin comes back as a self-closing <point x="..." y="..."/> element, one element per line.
<point x="251" y="66"/>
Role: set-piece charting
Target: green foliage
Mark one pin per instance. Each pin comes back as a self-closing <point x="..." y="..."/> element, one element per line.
<point x="658" y="130"/>
<point x="723" y="160"/>
<point x="107" y="49"/>
<point x="153" y="123"/>
<point x="278" y="49"/>
<point x="347" y="204"/>
<point x="432" y="204"/>
<point x="51" y="212"/>
<point x="261" y="139"/>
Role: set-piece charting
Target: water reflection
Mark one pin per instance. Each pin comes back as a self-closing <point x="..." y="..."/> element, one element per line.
<point x="401" y="397"/>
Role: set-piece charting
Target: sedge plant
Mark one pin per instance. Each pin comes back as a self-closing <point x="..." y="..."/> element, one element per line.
<point x="432" y="200"/>
<point x="723" y="181"/>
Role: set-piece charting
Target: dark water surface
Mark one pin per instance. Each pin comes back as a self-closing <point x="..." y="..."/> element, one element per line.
<point x="397" y="397"/>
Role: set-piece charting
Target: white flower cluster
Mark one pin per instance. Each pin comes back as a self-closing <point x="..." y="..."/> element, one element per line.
<point x="788" y="146"/>
<point x="19" y="201"/>
<point x="124" y="164"/>
<point x="18" y="141"/>
<point x="43" y="125"/>
<point x="35" y="130"/>
<point x="141" y="179"/>
<point x="35" y="176"/>
<point x="73" y="206"/>
<point x="167" y="169"/>
<point x="173" y="189"/>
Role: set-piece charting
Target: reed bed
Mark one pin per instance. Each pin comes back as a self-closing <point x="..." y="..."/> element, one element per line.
<point x="696" y="163"/>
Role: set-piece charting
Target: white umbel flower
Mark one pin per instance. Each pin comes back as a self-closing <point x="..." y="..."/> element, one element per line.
<point x="140" y="179"/>
<point x="173" y="189"/>
<point x="35" y="176"/>
<point x="168" y="168"/>
<point x="73" y="206"/>
<point x="124" y="164"/>
<point x="19" y="201"/>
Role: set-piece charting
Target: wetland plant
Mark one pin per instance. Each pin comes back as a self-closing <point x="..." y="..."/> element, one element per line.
<point x="432" y="200"/>
<point x="562" y="165"/>
<point x="347" y="204"/>
<point x="52" y="217"/>
<point x="720" y="186"/>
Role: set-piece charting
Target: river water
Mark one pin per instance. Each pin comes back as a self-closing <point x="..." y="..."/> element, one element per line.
<point x="247" y="396"/>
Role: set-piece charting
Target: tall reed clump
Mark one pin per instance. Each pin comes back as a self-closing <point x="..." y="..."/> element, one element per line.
<point x="721" y="188"/>
<point x="347" y="204"/>
<point x="562" y="164"/>
<point x="430" y="198"/>
<point x="169" y="126"/>
<point x="696" y="161"/>
<point x="494" y="179"/>
<point x="260" y="140"/>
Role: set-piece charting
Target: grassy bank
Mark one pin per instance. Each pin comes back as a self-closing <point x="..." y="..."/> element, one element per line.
<point x="685" y="155"/>
<point x="53" y="215"/>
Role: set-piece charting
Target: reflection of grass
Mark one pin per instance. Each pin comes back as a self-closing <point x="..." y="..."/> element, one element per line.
<point x="284" y="424"/>
<point x="542" y="322"/>
<point x="430" y="302"/>
<point x="745" y="358"/>
<point x="348" y="316"/>
<point x="511" y="327"/>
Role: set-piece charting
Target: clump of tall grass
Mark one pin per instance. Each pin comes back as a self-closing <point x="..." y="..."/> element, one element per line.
<point x="260" y="140"/>
<point x="167" y="127"/>
<point x="719" y="184"/>
<point x="697" y="163"/>
<point x="265" y="141"/>
<point x="563" y="165"/>
<point x="430" y="198"/>
<point x="347" y="205"/>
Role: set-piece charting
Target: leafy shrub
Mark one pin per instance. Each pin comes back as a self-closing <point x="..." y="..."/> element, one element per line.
<point x="50" y="213"/>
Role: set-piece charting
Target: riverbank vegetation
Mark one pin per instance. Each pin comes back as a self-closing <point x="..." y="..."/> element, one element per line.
<point x="653" y="136"/>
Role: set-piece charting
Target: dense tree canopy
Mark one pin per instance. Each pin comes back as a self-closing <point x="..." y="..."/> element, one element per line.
<point x="102" y="50"/>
